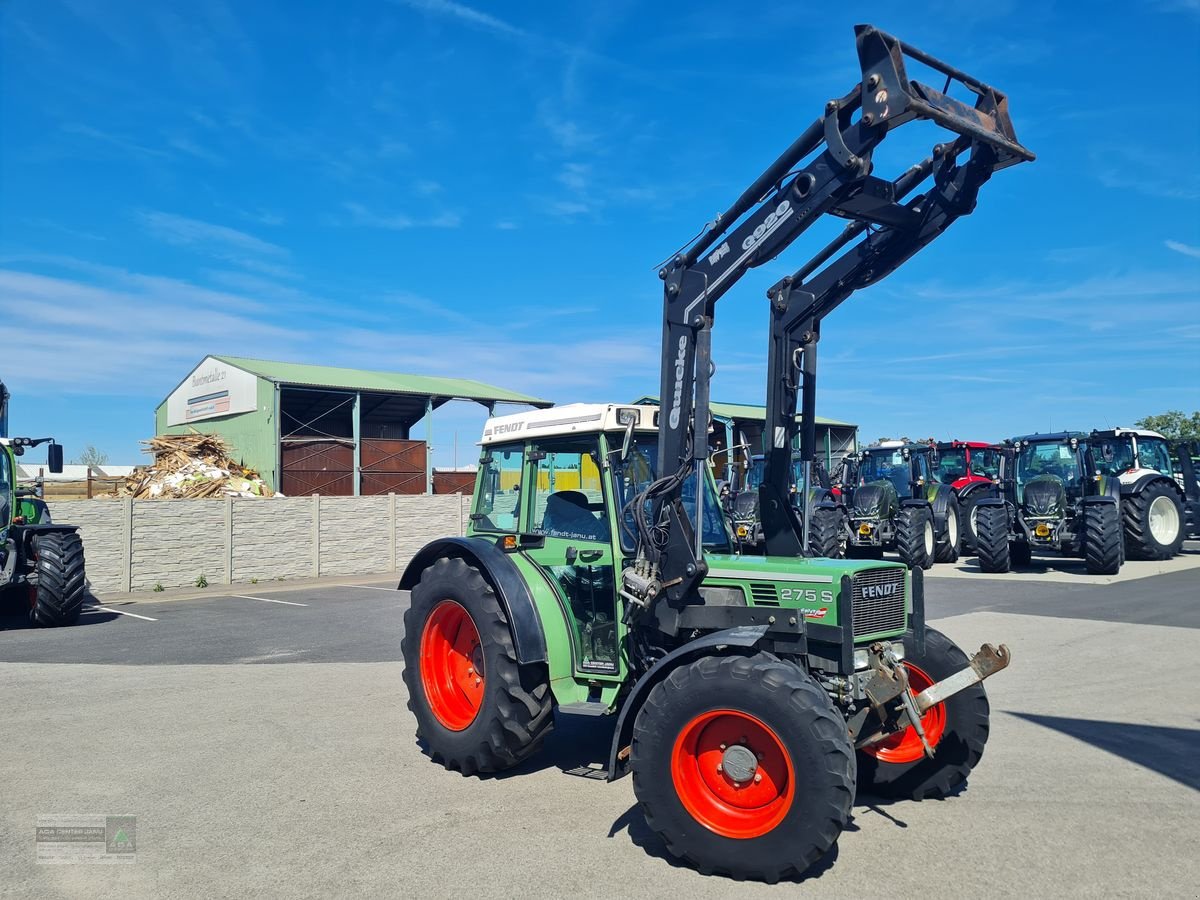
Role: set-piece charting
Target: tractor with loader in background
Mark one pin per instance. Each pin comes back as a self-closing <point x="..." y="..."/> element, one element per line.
<point x="753" y="695"/>
<point x="41" y="562"/>
<point x="826" y="514"/>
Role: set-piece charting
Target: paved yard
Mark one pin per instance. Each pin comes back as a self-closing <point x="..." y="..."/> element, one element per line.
<point x="263" y="743"/>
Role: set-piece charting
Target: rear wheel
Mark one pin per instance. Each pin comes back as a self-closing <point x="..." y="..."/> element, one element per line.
<point x="1102" y="544"/>
<point x="947" y="548"/>
<point x="957" y="729"/>
<point x="742" y="766"/>
<point x="915" y="540"/>
<point x="477" y="708"/>
<point x="1153" y="522"/>
<point x="991" y="524"/>
<point x="969" y="508"/>
<point x="57" y="599"/>
<point x="825" y="532"/>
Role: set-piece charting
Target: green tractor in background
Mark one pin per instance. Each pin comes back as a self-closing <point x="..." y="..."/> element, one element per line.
<point x="41" y="562"/>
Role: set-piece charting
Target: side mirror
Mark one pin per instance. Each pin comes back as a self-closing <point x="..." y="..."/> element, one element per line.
<point x="54" y="458"/>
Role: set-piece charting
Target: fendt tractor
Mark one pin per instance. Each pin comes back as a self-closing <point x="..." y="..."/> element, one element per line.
<point x="971" y="468"/>
<point x="894" y="501"/>
<point x="41" y="562"/>
<point x="1153" y="502"/>
<point x="752" y="695"/>
<point x="1050" y="496"/>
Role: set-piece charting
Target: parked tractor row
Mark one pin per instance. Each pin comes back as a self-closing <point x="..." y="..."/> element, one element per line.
<point x="1103" y="496"/>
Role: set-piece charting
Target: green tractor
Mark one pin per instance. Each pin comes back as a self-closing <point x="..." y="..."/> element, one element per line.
<point x="752" y="695"/>
<point x="41" y="562"/>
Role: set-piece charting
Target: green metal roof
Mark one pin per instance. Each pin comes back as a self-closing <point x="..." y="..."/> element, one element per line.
<point x="747" y="412"/>
<point x="385" y="382"/>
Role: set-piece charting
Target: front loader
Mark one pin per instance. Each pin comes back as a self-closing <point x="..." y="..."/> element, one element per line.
<point x="753" y="695"/>
<point x="41" y="562"/>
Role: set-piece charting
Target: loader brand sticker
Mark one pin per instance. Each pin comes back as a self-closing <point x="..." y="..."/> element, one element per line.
<point x="65" y="839"/>
<point x="717" y="255"/>
<point x="677" y="395"/>
<point x="879" y="591"/>
<point x="768" y="225"/>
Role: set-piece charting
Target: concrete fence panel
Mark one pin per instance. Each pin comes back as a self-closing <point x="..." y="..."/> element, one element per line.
<point x="134" y="545"/>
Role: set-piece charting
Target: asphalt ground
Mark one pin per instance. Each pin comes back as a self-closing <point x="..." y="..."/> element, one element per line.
<point x="263" y="743"/>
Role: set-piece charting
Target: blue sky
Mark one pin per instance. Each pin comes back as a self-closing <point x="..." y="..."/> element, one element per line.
<point x="484" y="190"/>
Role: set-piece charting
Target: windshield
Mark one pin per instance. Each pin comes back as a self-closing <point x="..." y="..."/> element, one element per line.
<point x="638" y="470"/>
<point x="886" y="465"/>
<point x="1049" y="458"/>
<point x="1113" y="455"/>
<point x="754" y="476"/>
<point x="952" y="464"/>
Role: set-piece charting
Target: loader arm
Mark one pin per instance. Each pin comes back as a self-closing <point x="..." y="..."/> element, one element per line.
<point x="827" y="170"/>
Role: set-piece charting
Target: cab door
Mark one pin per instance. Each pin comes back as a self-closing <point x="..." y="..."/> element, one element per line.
<point x="568" y="508"/>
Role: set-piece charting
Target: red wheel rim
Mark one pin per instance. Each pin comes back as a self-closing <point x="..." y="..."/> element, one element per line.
<point x="905" y="746"/>
<point x="706" y="775"/>
<point x="452" y="665"/>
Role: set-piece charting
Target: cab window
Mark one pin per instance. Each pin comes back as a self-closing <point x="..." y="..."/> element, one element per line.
<point x="568" y="493"/>
<point x="498" y="496"/>
<point x="1153" y="454"/>
<point x="6" y="483"/>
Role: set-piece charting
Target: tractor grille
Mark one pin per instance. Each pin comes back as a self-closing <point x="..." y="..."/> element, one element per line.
<point x="763" y="593"/>
<point x="877" y="597"/>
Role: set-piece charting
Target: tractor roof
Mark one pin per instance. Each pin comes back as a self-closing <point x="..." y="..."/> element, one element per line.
<point x="943" y="445"/>
<point x="574" y="418"/>
<point x="1121" y="432"/>
<point x="1049" y="437"/>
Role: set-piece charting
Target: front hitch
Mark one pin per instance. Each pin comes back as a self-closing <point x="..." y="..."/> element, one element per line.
<point x="889" y="683"/>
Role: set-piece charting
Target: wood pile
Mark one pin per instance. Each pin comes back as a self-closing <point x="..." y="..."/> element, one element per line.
<point x="192" y="467"/>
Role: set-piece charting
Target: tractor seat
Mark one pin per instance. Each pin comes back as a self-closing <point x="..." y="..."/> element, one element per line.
<point x="567" y="515"/>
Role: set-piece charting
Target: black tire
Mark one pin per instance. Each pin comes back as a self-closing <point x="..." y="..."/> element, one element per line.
<point x="951" y="538"/>
<point x="1102" y="540"/>
<point x="1140" y="542"/>
<point x="963" y="737"/>
<point x="810" y="732"/>
<point x="970" y="542"/>
<point x="995" y="555"/>
<point x="915" y="540"/>
<point x="62" y="583"/>
<point x="516" y="709"/>
<point x="825" y="527"/>
<point x="1021" y="553"/>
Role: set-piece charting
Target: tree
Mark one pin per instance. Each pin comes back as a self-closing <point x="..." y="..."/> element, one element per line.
<point x="1174" y="425"/>
<point x="90" y="457"/>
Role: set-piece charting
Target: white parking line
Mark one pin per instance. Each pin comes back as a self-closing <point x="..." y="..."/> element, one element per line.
<point x="367" y="587"/>
<point x="268" y="600"/>
<point x="119" y="612"/>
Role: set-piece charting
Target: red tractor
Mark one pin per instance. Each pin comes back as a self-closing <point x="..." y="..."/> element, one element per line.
<point x="971" y="469"/>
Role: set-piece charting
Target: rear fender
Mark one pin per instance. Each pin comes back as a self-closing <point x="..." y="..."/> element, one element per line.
<point x="741" y="640"/>
<point x="1148" y="479"/>
<point x="506" y="580"/>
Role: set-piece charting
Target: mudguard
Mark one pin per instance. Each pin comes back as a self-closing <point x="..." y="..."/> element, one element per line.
<point x="743" y="638"/>
<point x="500" y="572"/>
<point x="1146" y="480"/>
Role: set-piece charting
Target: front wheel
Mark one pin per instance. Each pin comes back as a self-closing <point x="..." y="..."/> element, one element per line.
<point x="991" y="524"/>
<point x="1102" y="545"/>
<point x="957" y="729"/>
<point x="743" y="767"/>
<point x="1153" y="522"/>
<point x="915" y="540"/>
<point x="948" y="545"/>
<point x="61" y="582"/>
<point x="477" y="708"/>
<point x="825" y="528"/>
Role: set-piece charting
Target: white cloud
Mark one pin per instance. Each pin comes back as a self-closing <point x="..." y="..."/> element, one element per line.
<point x="363" y="217"/>
<point x="184" y="232"/>
<point x="1185" y="249"/>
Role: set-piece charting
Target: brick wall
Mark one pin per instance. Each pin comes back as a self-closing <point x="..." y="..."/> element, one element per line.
<point x="133" y="545"/>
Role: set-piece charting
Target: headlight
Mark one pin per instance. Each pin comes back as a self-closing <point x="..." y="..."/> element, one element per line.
<point x="862" y="658"/>
<point x="1042" y="530"/>
<point x="627" y="416"/>
<point x="742" y="532"/>
<point x="864" y="529"/>
<point x="723" y="596"/>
